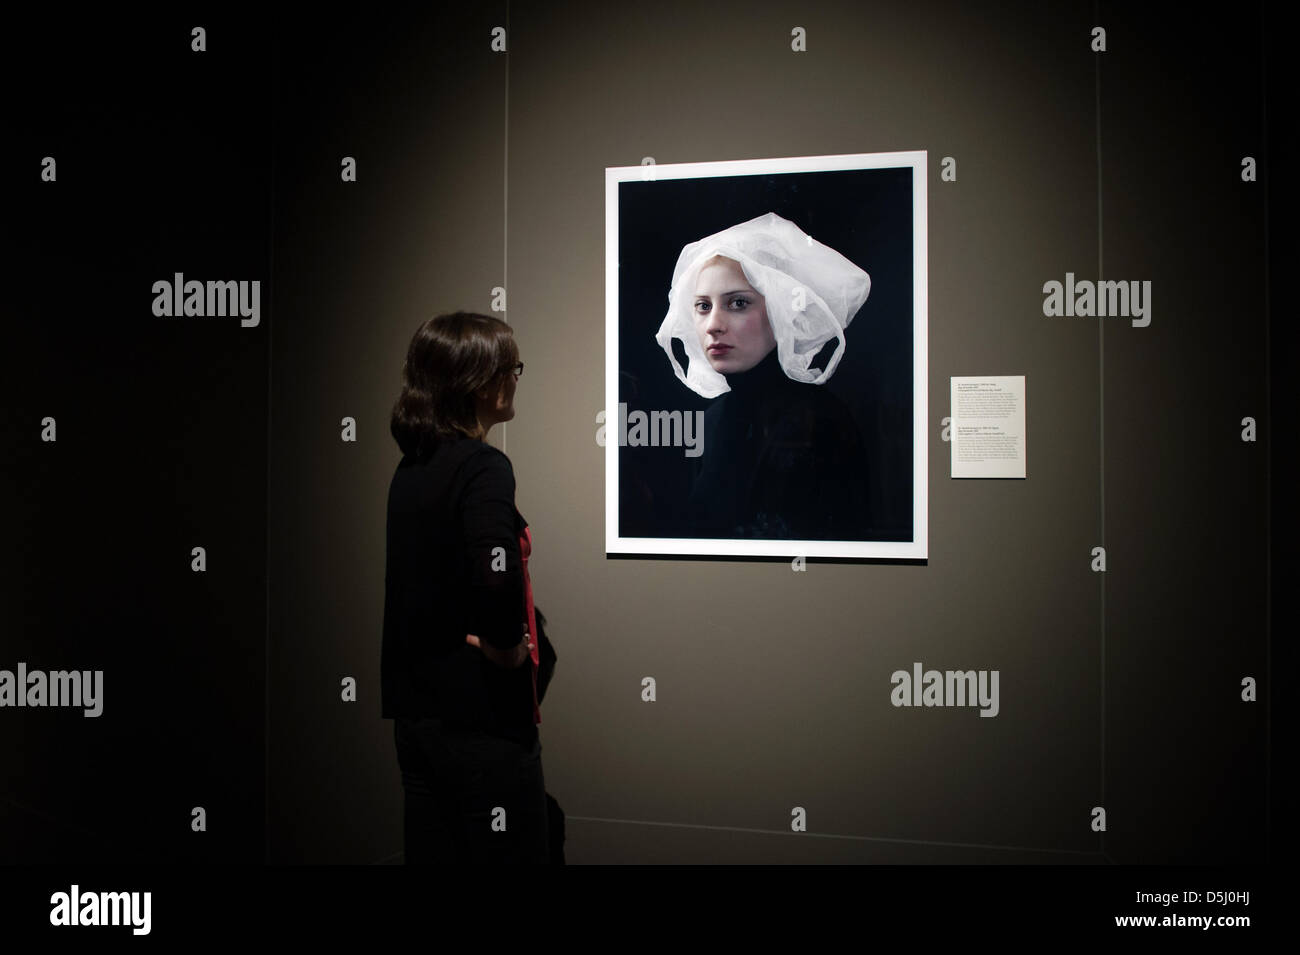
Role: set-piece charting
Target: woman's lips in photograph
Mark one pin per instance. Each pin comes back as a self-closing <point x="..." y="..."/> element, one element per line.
<point x="719" y="349"/>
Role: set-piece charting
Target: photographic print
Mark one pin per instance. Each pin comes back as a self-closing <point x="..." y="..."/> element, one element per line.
<point x="766" y="357"/>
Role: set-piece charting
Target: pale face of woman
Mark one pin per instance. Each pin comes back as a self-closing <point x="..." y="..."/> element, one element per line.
<point x="730" y="318"/>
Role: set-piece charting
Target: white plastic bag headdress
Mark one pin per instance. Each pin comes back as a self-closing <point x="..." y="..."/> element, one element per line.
<point x="788" y="269"/>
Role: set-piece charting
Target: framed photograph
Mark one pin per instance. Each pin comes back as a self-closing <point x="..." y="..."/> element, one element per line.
<point x="765" y="358"/>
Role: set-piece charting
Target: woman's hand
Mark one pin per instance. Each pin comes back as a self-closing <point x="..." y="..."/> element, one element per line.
<point x="509" y="659"/>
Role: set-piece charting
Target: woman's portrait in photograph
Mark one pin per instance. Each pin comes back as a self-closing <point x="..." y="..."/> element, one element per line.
<point x="773" y="404"/>
<point x="781" y="458"/>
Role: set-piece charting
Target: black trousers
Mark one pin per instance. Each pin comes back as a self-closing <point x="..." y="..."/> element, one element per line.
<point x="472" y="798"/>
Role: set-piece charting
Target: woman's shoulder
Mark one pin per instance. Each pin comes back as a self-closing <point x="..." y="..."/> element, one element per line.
<point x="455" y="453"/>
<point x="476" y="448"/>
<point x="478" y="457"/>
<point x="458" y="446"/>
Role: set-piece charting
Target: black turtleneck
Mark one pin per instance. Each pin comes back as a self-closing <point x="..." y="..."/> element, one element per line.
<point x="767" y="374"/>
<point x="782" y="459"/>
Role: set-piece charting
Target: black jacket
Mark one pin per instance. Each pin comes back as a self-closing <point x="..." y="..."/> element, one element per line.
<point x="453" y="567"/>
<point x="782" y="459"/>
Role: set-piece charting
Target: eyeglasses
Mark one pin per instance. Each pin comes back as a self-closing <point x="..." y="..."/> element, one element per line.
<point x="517" y="369"/>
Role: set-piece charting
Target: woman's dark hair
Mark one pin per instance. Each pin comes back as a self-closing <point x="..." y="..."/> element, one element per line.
<point x="450" y="357"/>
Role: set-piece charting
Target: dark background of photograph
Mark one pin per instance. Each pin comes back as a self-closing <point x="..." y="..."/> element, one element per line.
<point x="864" y="214"/>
